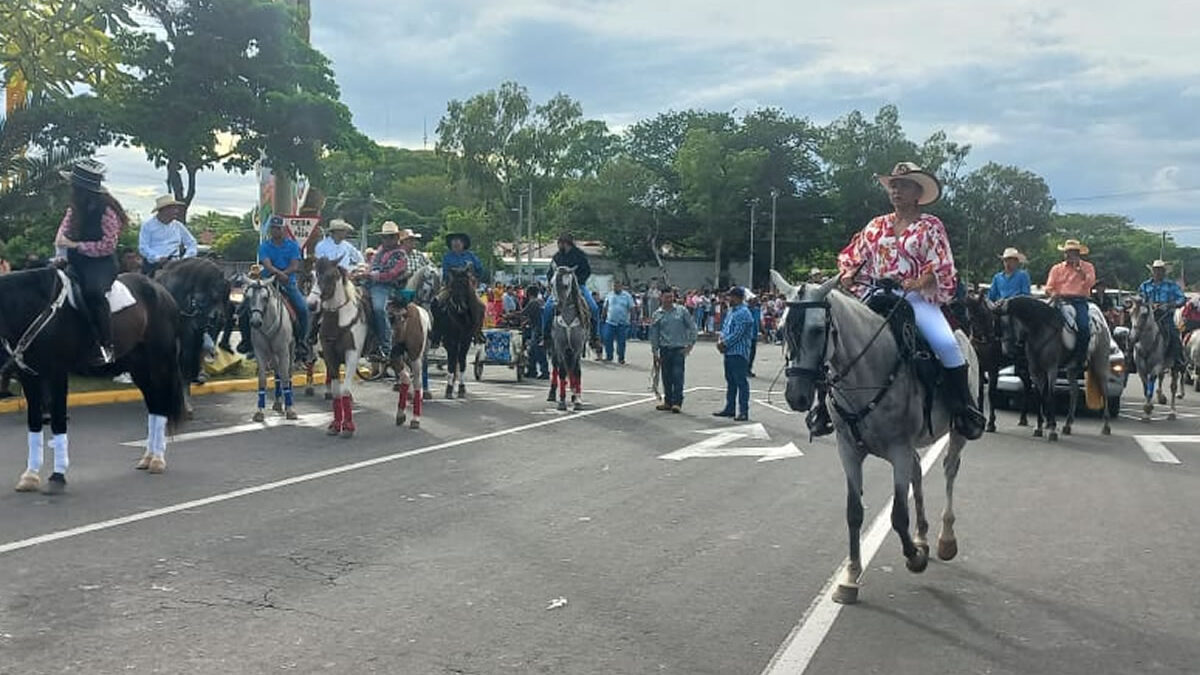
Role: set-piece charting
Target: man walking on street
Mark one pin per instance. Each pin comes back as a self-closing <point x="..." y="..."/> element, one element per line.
<point x="672" y="336"/>
<point x="737" y="331"/>
<point x="618" y="309"/>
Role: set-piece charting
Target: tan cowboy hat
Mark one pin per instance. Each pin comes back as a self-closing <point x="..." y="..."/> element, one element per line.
<point x="389" y="227"/>
<point x="165" y="201"/>
<point x="1073" y="245"/>
<point x="1159" y="263"/>
<point x="931" y="187"/>
<point x="339" y="224"/>
<point x="1012" y="252"/>
<point x="407" y="233"/>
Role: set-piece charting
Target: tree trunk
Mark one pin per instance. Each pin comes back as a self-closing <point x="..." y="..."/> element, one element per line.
<point x="175" y="179"/>
<point x="717" y="263"/>
<point x="191" y="186"/>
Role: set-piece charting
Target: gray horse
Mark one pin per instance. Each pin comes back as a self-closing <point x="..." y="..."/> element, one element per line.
<point x="568" y="335"/>
<point x="836" y="342"/>
<point x="271" y="335"/>
<point x="1153" y="356"/>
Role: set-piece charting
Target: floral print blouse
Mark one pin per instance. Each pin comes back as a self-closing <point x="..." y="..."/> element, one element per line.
<point x="920" y="247"/>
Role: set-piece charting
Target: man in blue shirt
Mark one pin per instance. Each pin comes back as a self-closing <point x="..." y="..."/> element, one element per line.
<point x="1013" y="280"/>
<point x="737" y="330"/>
<point x="1164" y="295"/>
<point x="459" y="254"/>
<point x="618" y="310"/>
<point x="164" y="237"/>
<point x="280" y="258"/>
<point x="755" y="307"/>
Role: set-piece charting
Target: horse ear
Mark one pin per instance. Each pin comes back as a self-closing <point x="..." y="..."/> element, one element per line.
<point x="787" y="289"/>
<point x="828" y="286"/>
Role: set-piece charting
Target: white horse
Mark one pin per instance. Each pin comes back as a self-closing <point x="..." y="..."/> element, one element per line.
<point x="343" y="334"/>
<point x="271" y="334"/>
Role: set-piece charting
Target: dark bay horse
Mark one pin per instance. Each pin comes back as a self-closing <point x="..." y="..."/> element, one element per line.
<point x="456" y="323"/>
<point x="1050" y="345"/>
<point x="49" y="339"/>
<point x="834" y="341"/>
<point x="984" y="328"/>
<point x="201" y="293"/>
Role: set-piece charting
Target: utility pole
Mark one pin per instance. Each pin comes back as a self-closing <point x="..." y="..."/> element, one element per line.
<point x="529" y="222"/>
<point x="517" y="241"/>
<point x="750" y="281"/>
<point x="774" y="198"/>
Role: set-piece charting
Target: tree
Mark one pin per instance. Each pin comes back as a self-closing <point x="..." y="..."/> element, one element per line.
<point x="999" y="206"/>
<point x="47" y="46"/>
<point x="617" y="207"/>
<point x="225" y="84"/>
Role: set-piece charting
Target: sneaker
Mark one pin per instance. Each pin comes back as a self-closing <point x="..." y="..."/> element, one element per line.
<point x="723" y="413"/>
<point x="742" y="418"/>
<point x="664" y="407"/>
<point x="620" y="362"/>
<point x="675" y="408"/>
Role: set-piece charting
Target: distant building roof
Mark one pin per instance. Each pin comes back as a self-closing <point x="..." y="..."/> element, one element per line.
<point x="546" y="251"/>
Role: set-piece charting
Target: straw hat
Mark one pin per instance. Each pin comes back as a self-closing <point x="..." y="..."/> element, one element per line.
<point x="1012" y="252"/>
<point x="165" y="201"/>
<point x="931" y="187"/>
<point x="389" y="227"/>
<point x="1073" y="245"/>
<point x="337" y="224"/>
<point x="86" y="174"/>
<point x="1159" y="263"/>
<point x="409" y="233"/>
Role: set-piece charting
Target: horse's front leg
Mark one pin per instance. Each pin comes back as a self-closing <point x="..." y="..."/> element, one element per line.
<point x="1048" y="408"/>
<point x="992" y="388"/>
<point x="402" y="400"/>
<point x="259" y="411"/>
<point x="947" y="544"/>
<point x="902" y="478"/>
<point x="920" y="540"/>
<point x="846" y="591"/>
<point x="31" y="479"/>
<point x="1174" y="388"/>
<point x="1026" y="394"/>
<point x="1148" y="382"/>
<point x="1073" y="399"/>
<point x="451" y="369"/>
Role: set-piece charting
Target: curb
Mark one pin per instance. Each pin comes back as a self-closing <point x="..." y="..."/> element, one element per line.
<point x="109" y="397"/>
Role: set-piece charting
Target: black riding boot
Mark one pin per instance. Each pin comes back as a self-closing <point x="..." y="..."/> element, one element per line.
<point x="818" y="420"/>
<point x="967" y="419"/>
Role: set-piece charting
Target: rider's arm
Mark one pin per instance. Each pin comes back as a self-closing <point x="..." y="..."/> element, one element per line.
<point x="189" y="242"/>
<point x="144" y="243"/>
<point x="387" y="274"/>
<point x="1023" y="288"/>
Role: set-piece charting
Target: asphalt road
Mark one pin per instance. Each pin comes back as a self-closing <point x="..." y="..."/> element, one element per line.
<point x="441" y="550"/>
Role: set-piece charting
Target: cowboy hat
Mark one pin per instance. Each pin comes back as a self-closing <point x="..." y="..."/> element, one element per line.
<point x="931" y="187"/>
<point x="1159" y="263"/>
<point x="165" y="201"/>
<point x="1012" y="252"/>
<point x="466" y="239"/>
<point x="86" y="174"/>
<point x="389" y="227"/>
<point x="408" y="233"/>
<point x="1073" y="245"/>
<point x="337" y="224"/>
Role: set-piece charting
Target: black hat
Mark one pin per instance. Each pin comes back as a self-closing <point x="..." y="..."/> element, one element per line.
<point x="566" y="236"/>
<point x="466" y="239"/>
<point x="738" y="292"/>
<point x="86" y="174"/>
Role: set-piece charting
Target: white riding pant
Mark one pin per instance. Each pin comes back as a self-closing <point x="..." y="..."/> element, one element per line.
<point x="936" y="330"/>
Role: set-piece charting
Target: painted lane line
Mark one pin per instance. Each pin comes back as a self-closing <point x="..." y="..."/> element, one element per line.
<point x="1156" y="449"/>
<point x="801" y="644"/>
<point x="776" y="408"/>
<point x="296" y="480"/>
<point x="308" y="420"/>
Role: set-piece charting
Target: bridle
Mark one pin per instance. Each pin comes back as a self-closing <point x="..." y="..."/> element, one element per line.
<point x="272" y="298"/>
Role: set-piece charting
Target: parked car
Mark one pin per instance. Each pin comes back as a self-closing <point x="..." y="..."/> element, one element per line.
<point x="1010" y="388"/>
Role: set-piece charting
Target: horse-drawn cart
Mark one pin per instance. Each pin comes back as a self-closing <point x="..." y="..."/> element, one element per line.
<point x="501" y="347"/>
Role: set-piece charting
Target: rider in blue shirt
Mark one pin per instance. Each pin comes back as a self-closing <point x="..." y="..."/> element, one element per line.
<point x="459" y="254"/>
<point x="1013" y="280"/>
<point x="1164" y="295"/>
<point x="280" y="257"/>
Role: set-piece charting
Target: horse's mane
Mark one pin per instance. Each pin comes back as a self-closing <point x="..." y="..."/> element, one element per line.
<point x="23" y="295"/>
<point x="1030" y="311"/>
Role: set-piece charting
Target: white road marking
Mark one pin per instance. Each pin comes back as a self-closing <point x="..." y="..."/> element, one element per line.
<point x="295" y="480"/>
<point x="273" y="420"/>
<point x="801" y="644"/>
<point x="717" y="445"/>
<point x="774" y="407"/>
<point x="1156" y="449"/>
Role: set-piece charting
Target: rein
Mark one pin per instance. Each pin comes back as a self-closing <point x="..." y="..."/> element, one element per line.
<point x="35" y="329"/>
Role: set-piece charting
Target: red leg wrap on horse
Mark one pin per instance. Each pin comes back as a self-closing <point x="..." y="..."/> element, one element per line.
<point x="404" y="397"/>
<point x="336" y="424"/>
<point x="417" y="401"/>
<point x="347" y="414"/>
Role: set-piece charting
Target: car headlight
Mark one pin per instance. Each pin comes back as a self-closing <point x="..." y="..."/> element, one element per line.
<point x="1118" y="367"/>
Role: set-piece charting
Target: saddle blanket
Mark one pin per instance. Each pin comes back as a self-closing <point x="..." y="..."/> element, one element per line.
<point x="119" y="296"/>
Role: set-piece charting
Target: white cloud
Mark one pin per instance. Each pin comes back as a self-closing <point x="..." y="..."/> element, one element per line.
<point x="976" y="135"/>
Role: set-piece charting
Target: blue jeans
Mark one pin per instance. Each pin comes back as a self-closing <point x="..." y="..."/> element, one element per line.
<point x="619" y="333"/>
<point x="671" y="360"/>
<point x="538" y="363"/>
<point x="300" y="304"/>
<point x="380" y="294"/>
<point x="737" y="386"/>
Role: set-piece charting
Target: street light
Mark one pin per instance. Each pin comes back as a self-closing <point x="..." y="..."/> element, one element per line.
<point x="517" y="241"/>
<point x="774" y="198"/>
<point x="753" y="206"/>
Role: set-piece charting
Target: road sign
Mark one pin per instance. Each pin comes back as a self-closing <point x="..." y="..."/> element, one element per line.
<point x="718" y="444"/>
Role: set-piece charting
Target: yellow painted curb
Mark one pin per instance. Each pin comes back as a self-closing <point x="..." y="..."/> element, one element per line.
<point x="86" y="398"/>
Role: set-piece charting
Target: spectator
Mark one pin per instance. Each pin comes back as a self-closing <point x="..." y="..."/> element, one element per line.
<point x="535" y="334"/>
<point x="734" y="343"/>
<point x="672" y="336"/>
<point x="618" y="310"/>
<point x="756" y="315"/>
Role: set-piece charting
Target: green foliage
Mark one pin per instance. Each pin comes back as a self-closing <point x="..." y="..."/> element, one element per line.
<point x="240" y="246"/>
<point x="478" y="224"/>
<point x="54" y="44"/>
<point x="997" y="207"/>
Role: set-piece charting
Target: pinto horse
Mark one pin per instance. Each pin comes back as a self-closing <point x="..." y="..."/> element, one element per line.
<point x="410" y="336"/>
<point x="48" y="338"/>
<point x="343" y="336"/>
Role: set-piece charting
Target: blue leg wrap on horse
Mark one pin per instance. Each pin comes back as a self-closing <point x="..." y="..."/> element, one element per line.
<point x="287" y="394"/>
<point x="278" y="386"/>
<point x="262" y="398"/>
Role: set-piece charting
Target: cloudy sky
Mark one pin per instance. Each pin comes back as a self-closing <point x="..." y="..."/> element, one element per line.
<point x="1098" y="97"/>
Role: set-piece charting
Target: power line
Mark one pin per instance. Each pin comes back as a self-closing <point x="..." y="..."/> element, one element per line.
<point x="1141" y="193"/>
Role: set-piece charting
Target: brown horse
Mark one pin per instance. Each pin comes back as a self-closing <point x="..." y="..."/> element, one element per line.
<point x="343" y="336"/>
<point x="410" y="335"/>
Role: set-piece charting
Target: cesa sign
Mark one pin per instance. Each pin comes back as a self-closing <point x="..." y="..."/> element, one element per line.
<point x="296" y="227"/>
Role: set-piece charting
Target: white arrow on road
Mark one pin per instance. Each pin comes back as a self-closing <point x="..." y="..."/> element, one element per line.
<point x="718" y="445"/>
<point x="1156" y="449"/>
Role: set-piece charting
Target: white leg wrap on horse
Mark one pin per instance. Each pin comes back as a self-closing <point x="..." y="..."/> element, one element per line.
<point x="151" y="431"/>
<point x="936" y="330"/>
<point x="159" y="424"/>
<point x="61" y="459"/>
<point x="37" y="446"/>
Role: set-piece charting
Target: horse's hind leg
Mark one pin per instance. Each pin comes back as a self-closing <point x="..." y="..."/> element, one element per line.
<point x="551" y="397"/>
<point x="277" y="406"/>
<point x="992" y="390"/>
<point x="308" y="378"/>
<point x="1174" y="386"/>
<point x="846" y="592"/>
<point x="31" y="479"/>
<point x="947" y="544"/>
<point x="58" y="426"/>
<point x="563" y="377"/>
<point x="918" y="490"/>
<point x="402" y="399"/>
<point x="1073" y="401"/>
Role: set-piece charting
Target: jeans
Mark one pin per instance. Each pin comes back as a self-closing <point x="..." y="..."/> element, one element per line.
<point x="737" y="386"/>
<point x="1083" y="327"/>
<point x="380" y="294"/>
<point x="538" y="364"/>
<point x="619" y="333"/>
<point x="671" y="360"/>
<point x="301" y="306"/>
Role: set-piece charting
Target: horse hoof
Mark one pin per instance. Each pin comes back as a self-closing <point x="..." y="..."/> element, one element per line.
<point x="401" y="418"/>
<point x="1106" y="431"/>
<point x="1171" y="416"/>
<point x="1053" y="437"/>
<point x="1145" y="419"/>
<point x="278" y="407"/>
<point x="29" y="482"/>
<point x="947" y="549"/>
<point x="414" y="424"/>
<point x="347" y="433"/>
<point x="923" y="548"/>
<point x="144" y="462"/>
<point x="462" y="391"/>
<point x="1066" y="431"/>
<point x="918" y="562"/>
<point x="157" y="465"/>
<point x="259" y="416"/>
<point x="577" y="407"/>
<point x="845" y="595"/>
<point x="189" y="414"/>
<point x="449" y="392"/>
<point x="562" y="405"/>
<point x="991" y="427"/>
<point x="1023" y="423"/>
<point x="309" y="391"/>
<point x="550" y="398"/>
<point x="1037" y="433"/>
<point x="427" y="395"/>
<point x="55" y="485"/>
<point x="333" y="430"/>
<point x="291" y="414"/>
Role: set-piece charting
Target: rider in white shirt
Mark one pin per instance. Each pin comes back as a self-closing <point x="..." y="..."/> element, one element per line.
<point x="337" y="247"/>
<point x="164" y="237"/>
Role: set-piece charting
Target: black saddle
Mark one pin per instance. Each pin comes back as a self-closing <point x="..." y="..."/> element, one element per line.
<point x="914" y="348"/>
